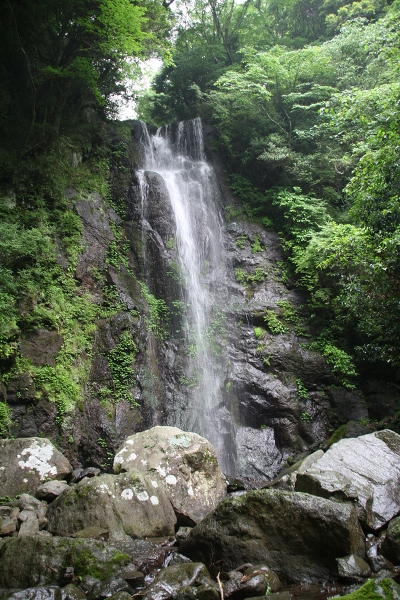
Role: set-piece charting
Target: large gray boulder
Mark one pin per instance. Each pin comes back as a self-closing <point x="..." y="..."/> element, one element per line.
<point x="26" y="463"/>
<point x="183" y="464"/>
<point x="297" y="535"/>
<point x="125" y="505"/>
<point x="365" y="470"/>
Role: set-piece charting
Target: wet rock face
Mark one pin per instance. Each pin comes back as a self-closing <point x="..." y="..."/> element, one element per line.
<point x="124" y="505"/>
<point x="182" y="464"/>
<point x="97" y="234"/>
<point x="27" y="463"/>
<point x="297" y="535"/>
<point x="41" y="347"/>
<point x="365" y="469"/>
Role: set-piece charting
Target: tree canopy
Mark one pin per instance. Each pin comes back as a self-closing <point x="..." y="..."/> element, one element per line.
<point x="60" y="57"/>
<point x="305" y="98"/>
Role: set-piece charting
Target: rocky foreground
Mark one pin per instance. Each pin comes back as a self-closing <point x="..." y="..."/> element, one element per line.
<point x="164" y="525"/>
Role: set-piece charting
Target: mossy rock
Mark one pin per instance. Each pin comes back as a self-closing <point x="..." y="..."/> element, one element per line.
<point x="297" y="535"/>
<point x="33" y="560"/>
<point x="375" y="589"/>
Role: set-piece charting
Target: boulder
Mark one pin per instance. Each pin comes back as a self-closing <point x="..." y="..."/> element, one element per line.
<point x="191" y="579"/>
<point x="364" y="469"/>
<point x="125" y="505"/>
<point x="79" y="474"/>
<point x="131" y="575"/>
<point x="29" y="526"/>
<point x="297" y="535"/>
<point x="286" y="480"/>
<point x="183" y="533"/>
<point x="391" y="545"/>
<point x="183" y="464"/>
<point x="380" y="563"/>
<point x="36" y="561"/>
<point x="95" y="533"/>
<point x="28" y="502"/>
<point x="25" y="463"/>
<point x="51" y="490"/>
<point x="37" y="593"/>
<point x="106" y="589"/>
<point x="8" y="526"/>
<point x="72" y="592"/>
<point x="256" y="581"/>
<point x="352" y="568"/>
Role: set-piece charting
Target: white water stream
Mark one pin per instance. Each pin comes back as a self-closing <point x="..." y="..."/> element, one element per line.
<point x="177" y="156"/>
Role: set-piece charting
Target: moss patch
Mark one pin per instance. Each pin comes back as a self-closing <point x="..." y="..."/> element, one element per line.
<point x="375" y="590"/>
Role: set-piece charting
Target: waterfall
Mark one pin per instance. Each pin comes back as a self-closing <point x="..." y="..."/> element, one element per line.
<point x="176" y="154"/>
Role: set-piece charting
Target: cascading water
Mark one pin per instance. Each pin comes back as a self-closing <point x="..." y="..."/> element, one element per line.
<point x="177" y="156"/>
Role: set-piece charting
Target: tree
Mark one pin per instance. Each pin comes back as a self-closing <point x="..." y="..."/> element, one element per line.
<point x="59" y="56"/>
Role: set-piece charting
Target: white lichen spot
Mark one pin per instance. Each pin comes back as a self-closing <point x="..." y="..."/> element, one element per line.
<point x="127" y="494"/>
<point x="154" y="500"/>
<point x="130" y="442"/>
<point x="119" y="459"/>
<point x="144" y="462"/>
<point x="18" y="456"/>
<point x="190" y="491"/>
<point x="131" y="457"/>
<point x="143" y="496"/>
<point x="104" y="488"/>
<point x="171" y="479"/>
<point x="25" y="480"/>
<point x="39" y="459"/>
<point x="161" y="471"/>
<point x="154" y="484"/>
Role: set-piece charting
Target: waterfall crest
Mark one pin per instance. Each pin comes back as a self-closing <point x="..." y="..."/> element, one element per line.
<point x="176" y="154"/>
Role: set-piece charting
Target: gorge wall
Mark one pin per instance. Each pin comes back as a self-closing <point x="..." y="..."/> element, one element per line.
<point x="201" y="330"/>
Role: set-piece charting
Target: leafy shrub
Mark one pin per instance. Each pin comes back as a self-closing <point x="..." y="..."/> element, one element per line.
<point x="274" y="324"/>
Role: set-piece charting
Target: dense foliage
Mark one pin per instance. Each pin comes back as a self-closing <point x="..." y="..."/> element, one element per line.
<point x="59" y="58"/>
<point x="305" y="97"/>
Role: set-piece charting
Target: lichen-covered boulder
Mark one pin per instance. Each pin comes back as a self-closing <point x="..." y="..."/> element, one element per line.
<point x="364" y="469"/>
<point x="189" y="579"/>
<point x="183" y="464"/>
<point x="297" y="535"/>
<point x="26" y="463"/>
<point x="125" y="505"/>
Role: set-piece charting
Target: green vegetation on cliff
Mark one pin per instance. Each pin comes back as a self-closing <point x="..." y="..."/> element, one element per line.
<point x="305" y="97"/>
